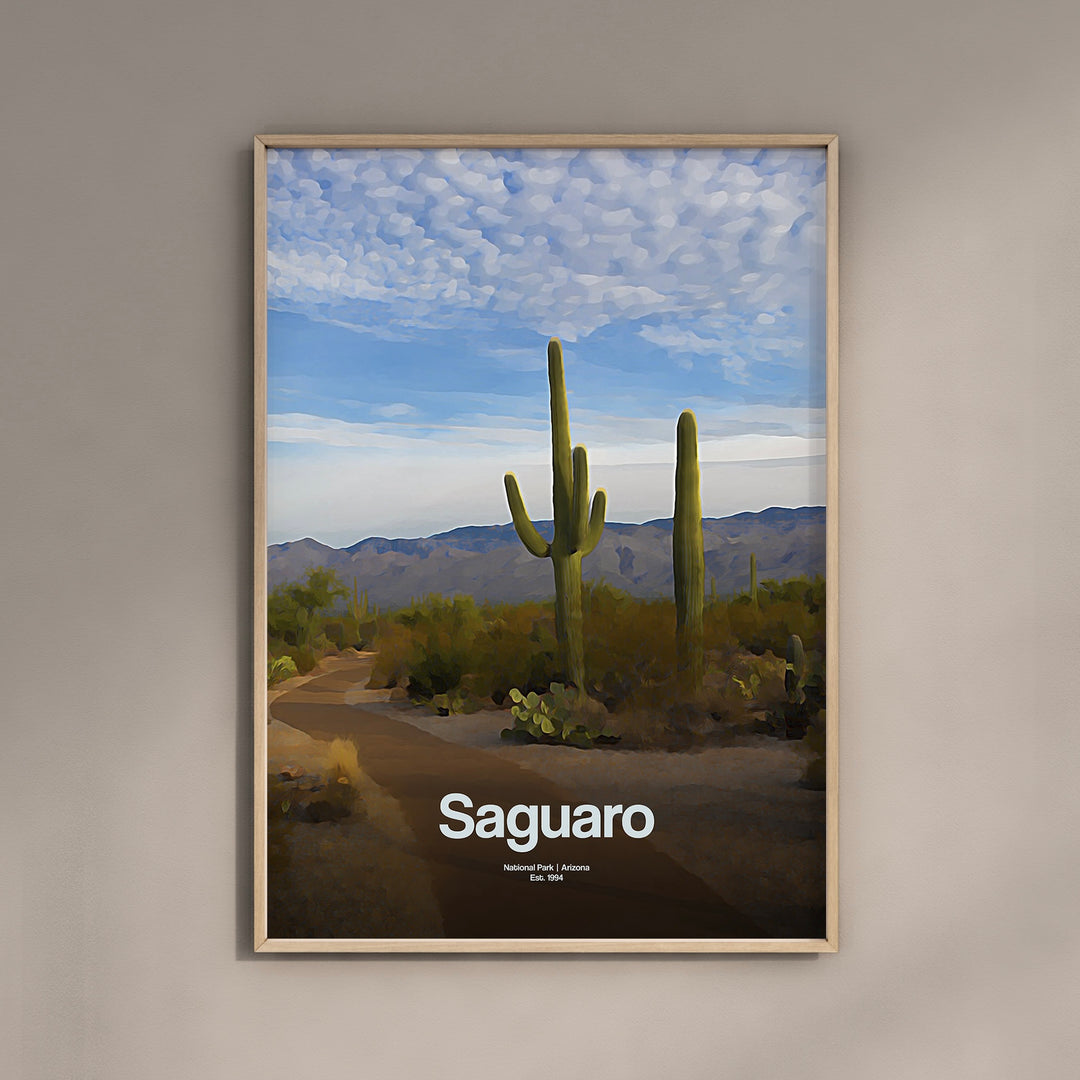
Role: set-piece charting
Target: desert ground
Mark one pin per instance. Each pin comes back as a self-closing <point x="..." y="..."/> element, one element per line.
<point x="355" y="851"/>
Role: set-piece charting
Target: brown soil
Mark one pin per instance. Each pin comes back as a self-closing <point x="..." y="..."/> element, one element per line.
<point x="327" y="878"/>
<point x="732" y="825"/>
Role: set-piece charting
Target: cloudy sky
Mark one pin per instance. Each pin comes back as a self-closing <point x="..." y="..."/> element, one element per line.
<point x="412" y="294"/>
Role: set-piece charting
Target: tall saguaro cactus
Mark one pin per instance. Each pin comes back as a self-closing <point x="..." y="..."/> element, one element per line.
<point x="688" y="553"/>
<point x="577" y="528"/>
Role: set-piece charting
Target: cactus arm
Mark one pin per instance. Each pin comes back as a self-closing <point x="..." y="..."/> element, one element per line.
<point x="534" y="543"/>
<point x="562" y="465"/>
<point x="596" y="522"/>
<point x="579" y="520"/>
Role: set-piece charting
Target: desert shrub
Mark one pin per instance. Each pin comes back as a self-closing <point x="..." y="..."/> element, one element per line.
<point x="810" y="592"/>
<point x="295" y="794"/>
<point x="394" y="644"/>
<point x="646" y="729"/>
<point x="361" y="631"/>
<point x="342" y="761"/>
<point x="768" y="627"/>
<point x="717" y="633"/>
<point x="294" y="610"/>
<point x="629" y="643"/>
<point x="346" y="631"/>
<point x="303" y="656"/>
<point x="755" y="681"/>
<point x="454" y="702"/>
<point x="454" y="652"/>
<point x="279" y="669"/>
<point x="443" y="632"/>
<point x="516" y="647"/>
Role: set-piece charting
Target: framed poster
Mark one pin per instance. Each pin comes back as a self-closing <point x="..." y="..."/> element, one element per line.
<point x="545" y="555"/>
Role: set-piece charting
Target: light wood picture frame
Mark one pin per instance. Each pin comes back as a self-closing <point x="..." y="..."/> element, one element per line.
<point x="613" y="733"/>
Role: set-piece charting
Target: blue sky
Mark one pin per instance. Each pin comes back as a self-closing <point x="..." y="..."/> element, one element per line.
<point x="412" y="294"/>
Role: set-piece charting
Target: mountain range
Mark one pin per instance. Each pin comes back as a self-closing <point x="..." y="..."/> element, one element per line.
<point x="488" y="562"/>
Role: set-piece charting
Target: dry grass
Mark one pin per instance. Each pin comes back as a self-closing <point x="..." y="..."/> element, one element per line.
<point x="355" y="876"/>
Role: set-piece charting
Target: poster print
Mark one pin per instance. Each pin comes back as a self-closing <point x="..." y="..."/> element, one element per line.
<point x="545" y="554"/>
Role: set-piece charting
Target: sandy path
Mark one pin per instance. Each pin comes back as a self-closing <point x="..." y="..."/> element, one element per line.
<point x="736" y="816"/>
<point x="632" y="889"/>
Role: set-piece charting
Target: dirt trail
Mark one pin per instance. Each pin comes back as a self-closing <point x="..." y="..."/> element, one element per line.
<point x="632" y="890"/>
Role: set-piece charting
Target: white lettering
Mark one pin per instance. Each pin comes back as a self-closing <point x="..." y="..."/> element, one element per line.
<point x="523" y="824"/>
<point x="467" y="822"/>
<point x="646" y="817"/>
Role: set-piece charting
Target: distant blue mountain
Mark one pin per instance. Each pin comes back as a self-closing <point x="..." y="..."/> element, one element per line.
<point x="489" y="562"/>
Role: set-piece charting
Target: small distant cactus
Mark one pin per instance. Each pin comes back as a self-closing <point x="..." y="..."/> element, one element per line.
<point x="358" y="605"/>
<point x="753" y="579"/>
<point x="688" y="553"/>
<point x="795" y="671"/>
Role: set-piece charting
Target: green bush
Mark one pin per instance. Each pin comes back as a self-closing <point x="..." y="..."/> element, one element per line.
<point x="767" y="628"/>
<point x="457" y="649"/>
<point x="279" y="669"/>
<point x="305" y="658"/>
<point x="629" y="643"/>
<point x="454" y="653"/>
<point x="294" y="610"/>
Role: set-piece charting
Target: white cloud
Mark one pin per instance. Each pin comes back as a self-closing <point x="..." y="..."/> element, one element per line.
<point x="570" y="240"/>
<point x="417" y="440"/>
<point x="341" y="481"/>
<point x="339" y="499"/>
<point x="397" y="408"/>
<point x="681" y="341"/>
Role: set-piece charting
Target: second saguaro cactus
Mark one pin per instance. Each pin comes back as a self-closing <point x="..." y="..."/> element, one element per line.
<point x="577" y="527"/>
<point x="688" y="553"/>
<point x="795" y="670"/>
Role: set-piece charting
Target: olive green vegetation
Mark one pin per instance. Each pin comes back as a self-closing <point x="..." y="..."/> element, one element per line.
<point x="577" y="528"/>
<point x="279" y="669"/>
<point x="456" y="655"/>
<point x="452" y="653"/>
<point x="688" y="554"/>
<point x="301" y="624"/>
<point x="557" y="718"/>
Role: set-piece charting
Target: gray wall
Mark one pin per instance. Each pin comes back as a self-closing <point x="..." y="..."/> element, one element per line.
<point x="124" y="462"/>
